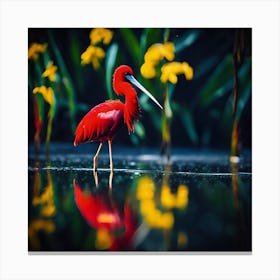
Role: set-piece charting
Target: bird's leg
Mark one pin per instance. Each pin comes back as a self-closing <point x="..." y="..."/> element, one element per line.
<point x="110" y="154"/>
<point x="111" y="180"/>
<point x="95" y="176"/>
<point x="95" y="159"/>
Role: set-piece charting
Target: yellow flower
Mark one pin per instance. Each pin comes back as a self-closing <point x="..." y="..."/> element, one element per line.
<point x="50" y="72"/>
<point x="47" y="93"/>
<point x="158" y="52"/>
<point x="168" y="50"/>
<point x="187" y="70"/>
<point x="100" y="35"/>
<point x="93" y="55"/>
<point x="171" y="70"/>
<point x="35" y="49"/>
<point x="148" y="70"/>
<point x="103" y="239"/>
<point x="154" y="55"/>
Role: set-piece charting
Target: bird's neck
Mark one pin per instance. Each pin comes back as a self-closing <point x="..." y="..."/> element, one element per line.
<point x="131" y="108"/>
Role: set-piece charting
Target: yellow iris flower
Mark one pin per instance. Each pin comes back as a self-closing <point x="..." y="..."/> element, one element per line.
<point x="47" y="93"/>
<point x="93" y="55"/>
<point x="155" y="54"/>
<point x="148" y="70"/>
<point x="100" y="35"/>
<point x="35" y="49"/>
<point x="50" y="72"/>
<point x="158" y="52"/>
<point x="171" y="70"/>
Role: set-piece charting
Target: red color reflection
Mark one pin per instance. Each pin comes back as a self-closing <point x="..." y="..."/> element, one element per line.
<point x="102" y="213"/>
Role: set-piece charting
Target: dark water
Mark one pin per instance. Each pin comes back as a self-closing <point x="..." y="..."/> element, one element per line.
<point x="198" y="202"/>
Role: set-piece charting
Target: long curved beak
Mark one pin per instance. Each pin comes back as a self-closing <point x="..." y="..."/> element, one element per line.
<point x="131" y="79"/>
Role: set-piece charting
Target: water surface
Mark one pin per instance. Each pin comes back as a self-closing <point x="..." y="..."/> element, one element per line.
<point x="197" y="202"/>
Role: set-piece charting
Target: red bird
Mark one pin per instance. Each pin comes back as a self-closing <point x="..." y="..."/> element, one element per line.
<point x="103" y="121"/>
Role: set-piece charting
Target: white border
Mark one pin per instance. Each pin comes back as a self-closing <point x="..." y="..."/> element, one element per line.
<point x="17" y="16"/>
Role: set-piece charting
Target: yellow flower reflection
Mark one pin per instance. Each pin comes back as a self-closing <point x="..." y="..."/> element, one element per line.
<point x="146" y="189"/>
<point x="179" y="200"/>
<point x="46" y="198"/>
<point x="93" y="55"/>
<point x="151" y="204"/>
<point x="45" y="201"/>
<point x="37" y="226"/>
<point x="50" y="72"/>
<point x="182" y="239"/>
<point x="103" y="239"/>
<point x="171" y="70"/>
<point x="148" y="208"/>
<point x="35" y="49"/>
<point x="47" y="93"/>
<point x="100" y="35"/>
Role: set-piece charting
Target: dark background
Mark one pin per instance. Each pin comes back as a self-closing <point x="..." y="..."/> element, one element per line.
<point x="208" y="97"/>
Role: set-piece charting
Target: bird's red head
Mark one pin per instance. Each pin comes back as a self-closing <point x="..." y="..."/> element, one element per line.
<point x="119" y="78"/>
<point x="121" y="71"/>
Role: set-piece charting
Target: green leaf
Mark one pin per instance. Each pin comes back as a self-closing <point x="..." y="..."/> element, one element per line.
<point x="245" y="87"/>
<point x="188" y="123"/>
<point x="218" y="84"/>
<point x="67" y="81"/>
<point x="185" y="41"/>
<point x="206" y="65"/>
<point x="110" y="62"/>
<point x="41" y="106"/>
<point x="132" y="44"/>
<point x="149" y="37"/>
<point x="134" y="139"/>
<point x="139" y="130"/>
<point x="75" y="51"/>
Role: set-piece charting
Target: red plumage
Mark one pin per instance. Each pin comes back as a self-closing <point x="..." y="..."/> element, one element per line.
<point x="101" y="123"/>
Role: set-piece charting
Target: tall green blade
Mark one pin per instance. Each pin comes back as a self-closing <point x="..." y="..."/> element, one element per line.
<point x="110" y="62"/>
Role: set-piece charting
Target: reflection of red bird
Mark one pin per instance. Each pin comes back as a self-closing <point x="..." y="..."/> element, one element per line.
<point x="103" y="121"/>
<point x="101" y="212"/>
